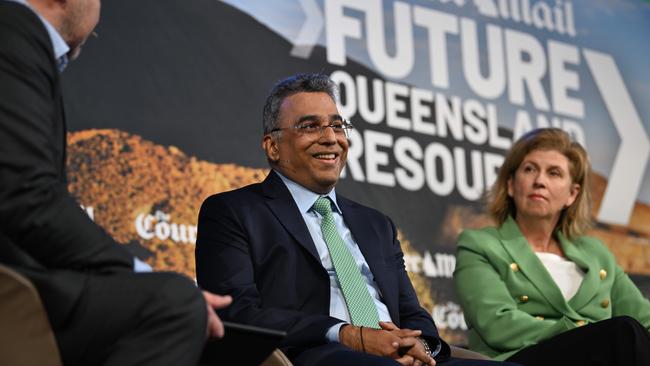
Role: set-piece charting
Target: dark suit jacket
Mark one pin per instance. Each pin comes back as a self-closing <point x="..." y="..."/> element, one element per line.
<point x="254" y="245"/>
<point x="43" y="232"/>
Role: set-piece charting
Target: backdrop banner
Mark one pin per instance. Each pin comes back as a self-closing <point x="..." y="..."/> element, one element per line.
<point x="165" y="108"/>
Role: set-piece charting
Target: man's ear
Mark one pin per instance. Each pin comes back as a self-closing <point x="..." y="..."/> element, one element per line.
<point x="270" y="146"/>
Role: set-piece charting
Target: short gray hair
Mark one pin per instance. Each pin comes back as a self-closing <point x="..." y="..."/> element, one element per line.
<point x="309" y="83"/>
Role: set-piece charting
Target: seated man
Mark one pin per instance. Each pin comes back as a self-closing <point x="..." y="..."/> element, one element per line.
<point x="101" y="312"/>
<point x="296" y="256"/>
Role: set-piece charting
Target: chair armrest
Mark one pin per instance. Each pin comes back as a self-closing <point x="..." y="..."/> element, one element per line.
<point x="277" y="358"/>
<point x="26" y="337"/>
<point x="458" y="352"/>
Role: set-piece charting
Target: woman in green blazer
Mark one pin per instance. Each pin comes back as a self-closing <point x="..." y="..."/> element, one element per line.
<point x="534" y="290"/>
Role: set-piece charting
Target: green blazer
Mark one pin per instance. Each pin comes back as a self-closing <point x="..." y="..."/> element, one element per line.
<point x="511" y="302"/>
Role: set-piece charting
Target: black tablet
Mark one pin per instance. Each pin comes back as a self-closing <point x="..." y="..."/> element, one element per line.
<point x="244" y="344"/>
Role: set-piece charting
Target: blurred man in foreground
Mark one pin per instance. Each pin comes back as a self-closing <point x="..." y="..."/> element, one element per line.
<point x="101" y="311"/>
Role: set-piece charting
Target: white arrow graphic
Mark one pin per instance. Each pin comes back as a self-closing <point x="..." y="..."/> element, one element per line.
<point x="310" y="31"/>
<point x="632" y="157"/>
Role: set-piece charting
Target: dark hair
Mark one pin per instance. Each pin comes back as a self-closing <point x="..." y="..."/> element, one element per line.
<point x="310" y="83"/>
<point x="575" y="218"/>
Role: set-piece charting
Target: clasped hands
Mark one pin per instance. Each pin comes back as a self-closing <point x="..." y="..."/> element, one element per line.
<point x="390" y="341"/>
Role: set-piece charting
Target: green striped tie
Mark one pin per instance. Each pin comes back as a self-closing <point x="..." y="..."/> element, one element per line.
<point x="360" y="304"/>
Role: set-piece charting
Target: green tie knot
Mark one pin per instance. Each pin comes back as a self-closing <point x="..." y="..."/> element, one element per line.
<point x="323" y="206"/>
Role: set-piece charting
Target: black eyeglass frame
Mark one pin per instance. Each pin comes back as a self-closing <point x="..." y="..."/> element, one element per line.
<point x="307" y="129"/>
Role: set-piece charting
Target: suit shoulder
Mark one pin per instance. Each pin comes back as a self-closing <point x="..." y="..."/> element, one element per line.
<point x="249" y="193"/>
<point x="594" y="246"/>
<point x="18" y="20"/>
<point x="366" y="210"/>
<point x="475" y="239"/>
<point x="23" y="38"/>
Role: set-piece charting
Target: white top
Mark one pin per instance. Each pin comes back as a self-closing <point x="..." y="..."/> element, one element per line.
<point x="566" y="274"/>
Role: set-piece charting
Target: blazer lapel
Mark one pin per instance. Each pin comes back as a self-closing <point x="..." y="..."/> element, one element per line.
<point x="515" y="243"/>
<point x="368" y="241"/>
<point x="591" y="280"/>
<point x="281" y="203"/>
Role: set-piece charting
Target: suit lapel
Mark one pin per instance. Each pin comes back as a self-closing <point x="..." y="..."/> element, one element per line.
<point x="517" y="246"/>
<point x="281" y="203"/>
<point x="591" y="280"/>
<point x="368" y="241"/>
<point x="64" y="137"/>
<point x="363" y="234"/>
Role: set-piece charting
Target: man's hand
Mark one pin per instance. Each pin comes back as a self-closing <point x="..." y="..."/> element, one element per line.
<point x="377" y="342"/>
<point x="212" y="301"/>
<point x="413" y="355"/>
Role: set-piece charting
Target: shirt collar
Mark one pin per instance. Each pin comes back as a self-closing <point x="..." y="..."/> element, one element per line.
<point x="304" y="197"/>
<point x="61" y="48"/>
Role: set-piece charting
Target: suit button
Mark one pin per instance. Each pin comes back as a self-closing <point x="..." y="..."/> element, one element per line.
<point x="523" y="298"/>
<point x="602" y="274"/>
<point x="604" y="303"/>
<point x="514" y="267"/>
<point x="580" y="323"/>
<point x="539" y="317"/>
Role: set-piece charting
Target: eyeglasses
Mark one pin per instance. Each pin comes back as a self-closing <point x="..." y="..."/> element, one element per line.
<point x="315" y="130"/>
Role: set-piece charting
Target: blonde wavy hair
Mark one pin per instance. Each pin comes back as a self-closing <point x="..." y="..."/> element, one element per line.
<point x="575" y="219"/>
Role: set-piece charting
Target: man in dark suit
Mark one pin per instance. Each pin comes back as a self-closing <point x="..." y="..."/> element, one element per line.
<point x="100" y="310"/>
<point x="298" y="257"/>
